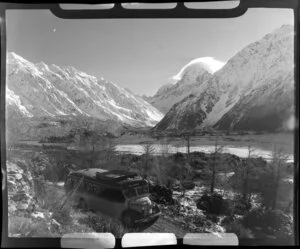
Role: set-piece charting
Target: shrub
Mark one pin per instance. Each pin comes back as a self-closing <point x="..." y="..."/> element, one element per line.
<point x="202" y="221"/>
<point x="214" y="218"/>
<point x="238" y="228"/>
<point x="198" y="164"/>
<point x="26" y="227"/>
<point x="161" y="194"/>
<point x="51" y="198"/>
<point x="241" y="206"/>
<point x="227" y="220"/>
<point x="211" y="204"/>
<point x="203" y="174"/>
<point x="39" y="188"/>
<point x="63" y="215"/>
<point x="271" y="221"/>
<point x="254" y="218"/>
<point x="228" y="207"/>
<point x="188" y="185"/>
<point x="178" y="156"/>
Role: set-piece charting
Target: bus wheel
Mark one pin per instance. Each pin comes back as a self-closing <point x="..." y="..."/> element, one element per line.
<point x="82" y="204"/>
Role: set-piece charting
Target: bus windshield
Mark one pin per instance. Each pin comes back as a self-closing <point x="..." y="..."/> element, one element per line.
<point x="131" y="192"/>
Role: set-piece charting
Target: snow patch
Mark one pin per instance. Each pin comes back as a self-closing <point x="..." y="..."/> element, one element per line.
<point x="14" y="99"/>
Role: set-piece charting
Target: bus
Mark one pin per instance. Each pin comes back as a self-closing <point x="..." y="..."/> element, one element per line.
<point x="120" y="194"/>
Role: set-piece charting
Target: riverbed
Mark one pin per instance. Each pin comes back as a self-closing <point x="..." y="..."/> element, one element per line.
<point x="159" y="149"/>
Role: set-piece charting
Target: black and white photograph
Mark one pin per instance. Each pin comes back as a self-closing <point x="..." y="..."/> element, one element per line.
<point x="150" y="125"/>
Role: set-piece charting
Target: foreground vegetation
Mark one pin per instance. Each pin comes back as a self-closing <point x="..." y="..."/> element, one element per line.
<point x="54" y="215"/>
<point x="248" y="196"/>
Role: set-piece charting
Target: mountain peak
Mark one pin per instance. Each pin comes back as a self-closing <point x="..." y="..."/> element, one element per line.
<point x="13" y="56"/>
<point x="281" y="32"/>
<point x="200" y="65"/>
<point x="286" y="27"/>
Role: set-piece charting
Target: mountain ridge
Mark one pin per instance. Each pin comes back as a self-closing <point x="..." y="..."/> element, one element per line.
<point x="36" y="90"/>
<point x="265" y="65"/>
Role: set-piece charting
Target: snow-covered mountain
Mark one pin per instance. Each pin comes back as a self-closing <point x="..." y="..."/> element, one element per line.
<point x="253" y="91"/>
<point x="40" y="90"/>
<point x="188" y="81"/>
<point x="192" y="110"/>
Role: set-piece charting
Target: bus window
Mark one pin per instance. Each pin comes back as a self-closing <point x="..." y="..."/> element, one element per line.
<point x="80" y="184"/>
<point x="88" y="187"/>
<point x="142" y="190"/>
<point x="97" y="190"/>
<point x="130" y="192"/>
<point x="114" y="195"/>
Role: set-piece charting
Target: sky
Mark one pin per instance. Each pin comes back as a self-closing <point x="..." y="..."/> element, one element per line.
<point x="138" y="54"/>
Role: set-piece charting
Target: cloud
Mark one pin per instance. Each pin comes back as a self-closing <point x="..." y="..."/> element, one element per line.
<point x="209" y="63"/>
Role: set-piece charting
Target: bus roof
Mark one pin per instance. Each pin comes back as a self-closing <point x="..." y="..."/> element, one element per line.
<point x="107" y="175"/>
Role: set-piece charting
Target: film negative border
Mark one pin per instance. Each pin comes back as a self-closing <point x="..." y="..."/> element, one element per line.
<point x="180" y="11"/>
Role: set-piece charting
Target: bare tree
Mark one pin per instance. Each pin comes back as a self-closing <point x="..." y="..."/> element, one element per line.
<point x="185" y="179"/>
<point x="186" y="136"/>
<point x="165" y="147"/>
<point x="148" y="149"/>
<point x="96" y="138"/>
<point x="217" y="150"/>
<point x="160" y="169"/>
<point x="91" y="141"/>
<point x="246" y="171"/>
<point x="111" y="149"/>
<point x="278" y="160"/>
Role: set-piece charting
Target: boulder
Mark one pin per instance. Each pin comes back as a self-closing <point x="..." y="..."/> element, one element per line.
<point x="20" y="196"/>
<point x="12" y="208"/>
<point x="18" y="176"/>
<point x="188" y="185"/>
<point x="22" y="206"/>
<point x="11" y="178"/>
<point x="11" y="186"/>
<point x="19" y="185"/>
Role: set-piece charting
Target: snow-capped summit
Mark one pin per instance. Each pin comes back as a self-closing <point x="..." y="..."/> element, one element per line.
<point x="19" y="63"/>
<point x="196" y="66"/>
<point x="189" y="80"/>
<point x="39" y="90"/>
<point x="13" y="56"/>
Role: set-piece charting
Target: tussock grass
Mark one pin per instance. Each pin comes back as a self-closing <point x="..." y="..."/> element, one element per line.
<point x="27" y="227"/>
<point x="238" y="228"/>
<point x="102" y="224"/>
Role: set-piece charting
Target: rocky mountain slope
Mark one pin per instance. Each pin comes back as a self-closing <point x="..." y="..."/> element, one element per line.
<point x="40" y="90"/>
<point x="192" y="110"/>
<point x="259" y="84"/>
<point x="188" y="81"/>
<point x="253" y="91"/>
